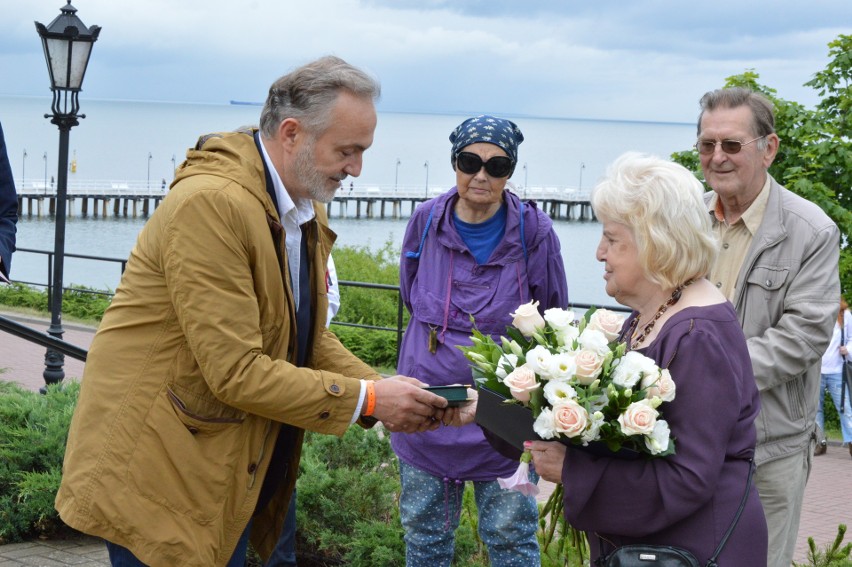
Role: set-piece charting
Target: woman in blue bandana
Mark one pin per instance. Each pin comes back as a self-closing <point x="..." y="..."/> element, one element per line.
<point x="478" y="251"/>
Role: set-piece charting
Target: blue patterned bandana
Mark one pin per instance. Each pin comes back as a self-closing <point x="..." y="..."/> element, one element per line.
<point x="497" y="131"/>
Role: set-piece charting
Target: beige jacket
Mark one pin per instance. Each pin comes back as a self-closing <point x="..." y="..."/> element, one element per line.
<point x="786" y="296"/>
<point x="189" y="375"/>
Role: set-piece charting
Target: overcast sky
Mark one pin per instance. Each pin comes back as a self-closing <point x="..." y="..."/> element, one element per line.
<point x="606" y="59"/>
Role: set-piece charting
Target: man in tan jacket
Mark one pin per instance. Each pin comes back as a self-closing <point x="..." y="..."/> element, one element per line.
<point x="214" y="356"/>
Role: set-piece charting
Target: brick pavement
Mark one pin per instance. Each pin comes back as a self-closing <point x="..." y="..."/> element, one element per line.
<point x="828" y="497"/>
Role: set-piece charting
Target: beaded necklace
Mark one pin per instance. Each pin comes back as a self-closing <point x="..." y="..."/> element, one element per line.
<point x="633" y="341"/>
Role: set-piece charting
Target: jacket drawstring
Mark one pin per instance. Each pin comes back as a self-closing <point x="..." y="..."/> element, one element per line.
<point x="458" y="499"/>
<point x="416" y="255"/>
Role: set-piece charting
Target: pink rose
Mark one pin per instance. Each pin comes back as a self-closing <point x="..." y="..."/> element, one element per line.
<point x="638" y="419"/>
<point x="589" y="365"/>
<point x="608" y="322"/>
<point x="521" y="381"/>
<point x="527" y="319"/>
<point x="663" y="387"/>
<point x="570" y="418"/>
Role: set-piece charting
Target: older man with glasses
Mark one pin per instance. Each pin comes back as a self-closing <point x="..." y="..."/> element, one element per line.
<point x="778" y="265"/>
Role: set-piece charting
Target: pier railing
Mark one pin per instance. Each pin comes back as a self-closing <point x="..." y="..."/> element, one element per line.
<point x="126" y="198"/>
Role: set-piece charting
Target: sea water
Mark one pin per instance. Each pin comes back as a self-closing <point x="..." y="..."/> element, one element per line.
<point x="143" y="142"/>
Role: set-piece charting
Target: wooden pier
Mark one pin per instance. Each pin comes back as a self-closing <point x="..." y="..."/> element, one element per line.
<point x="135" y="199"/>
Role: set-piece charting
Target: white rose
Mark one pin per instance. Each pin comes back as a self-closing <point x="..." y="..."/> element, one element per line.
<point x="631" y="368"/>
<point x="527" y="319"/>
<point x="521" y="381"/>
<point x="658" y="440"/>
<point x="544" y="426"/>
<point x="538" y="358"/>
<point x="561" y="366"/>
<point x="638" y="419"/>
<point x="608" y="322"/>
<point x="588" y="366"/>
<point x="662" y="386"/>
<point x="509" y="360"/>
<point x="557" y="391"/>
<point x="559" y="319"/>
<point x="570" y="418"/>
<point x="595" y="340"/>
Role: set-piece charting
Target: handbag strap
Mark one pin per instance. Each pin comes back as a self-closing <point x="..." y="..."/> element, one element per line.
<point x="712" y="561"/>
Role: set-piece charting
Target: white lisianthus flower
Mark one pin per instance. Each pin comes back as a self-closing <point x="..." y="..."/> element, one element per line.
<point x="599" y="402"/>
<point x="544" y="426"/>
<point x="638" y="419"/>
<point x="559" y="319"/>
<point x="632" y="367"/>
<point x="566" y="337"/>
<point x="608" y="322"/>
<point x="561" y="366"/>
<point x="509" y="360"/>
<point x="662" y="386"/>
<point x="658" y="440"/>
<point x="592" y="433"/>
<point x="527" y="319"/>
<point x="591" y="339"/>
<point x="538" y="358"/>
<point x="557" y="391"/>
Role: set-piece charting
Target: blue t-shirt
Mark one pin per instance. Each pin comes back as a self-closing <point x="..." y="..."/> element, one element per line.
<point x="482" y="238"/>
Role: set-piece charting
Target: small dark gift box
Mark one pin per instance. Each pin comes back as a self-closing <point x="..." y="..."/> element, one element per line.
<point x="456" y="394"/>
<point x="513" y="423"/>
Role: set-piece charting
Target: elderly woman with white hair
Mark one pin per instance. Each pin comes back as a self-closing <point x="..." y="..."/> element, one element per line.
<point x="657" y="247"/>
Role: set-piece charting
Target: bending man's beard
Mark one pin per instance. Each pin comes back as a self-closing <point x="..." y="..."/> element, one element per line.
<point x="319" y="186"/>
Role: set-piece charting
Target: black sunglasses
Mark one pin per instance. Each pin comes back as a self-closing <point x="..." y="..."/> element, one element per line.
<point x="498" y="166"/>
<point x="707" y="147"/>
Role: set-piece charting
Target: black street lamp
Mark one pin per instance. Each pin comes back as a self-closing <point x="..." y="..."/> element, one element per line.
<point x="67" y="44"/>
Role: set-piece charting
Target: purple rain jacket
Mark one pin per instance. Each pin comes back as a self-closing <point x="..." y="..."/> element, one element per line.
<point x="442" y="286"/>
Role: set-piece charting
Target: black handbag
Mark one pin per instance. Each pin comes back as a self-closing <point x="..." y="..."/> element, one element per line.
<point x="643" y="555"/>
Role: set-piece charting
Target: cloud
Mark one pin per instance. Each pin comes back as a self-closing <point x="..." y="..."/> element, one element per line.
<point x="642" y="60"/>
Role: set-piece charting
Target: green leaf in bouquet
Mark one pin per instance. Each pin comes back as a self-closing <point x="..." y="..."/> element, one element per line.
<point x="516" y="336"/>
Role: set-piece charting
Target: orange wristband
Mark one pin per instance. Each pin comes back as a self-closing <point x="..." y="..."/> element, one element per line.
<point x="371" y="398"/>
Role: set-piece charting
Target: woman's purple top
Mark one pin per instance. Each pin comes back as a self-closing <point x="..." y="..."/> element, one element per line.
<point x="442" y="287"/>
<point x="689" y="499"/>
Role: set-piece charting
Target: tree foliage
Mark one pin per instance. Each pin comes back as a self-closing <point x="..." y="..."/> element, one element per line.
<point x="815" y="155"/>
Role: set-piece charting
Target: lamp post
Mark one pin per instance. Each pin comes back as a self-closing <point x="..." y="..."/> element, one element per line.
<point x="24" y="170"/>
<point x="396" y="177"/>
<point x="174" y="167"/>
<point x="582" y="167"/>
<point x="426" y="194"/>
<point x="67" y="45"/>
<point x="148" y="181"/>
<point x="45" y="173"/>
<point x="525" y="180"/>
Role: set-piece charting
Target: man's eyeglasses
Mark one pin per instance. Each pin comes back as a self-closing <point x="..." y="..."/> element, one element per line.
<point x="707" y="147"/>
<point x="470" y="163"/>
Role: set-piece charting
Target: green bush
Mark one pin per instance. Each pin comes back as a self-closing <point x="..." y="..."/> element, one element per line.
<point x="33" y="430"/>
<point x="78" y="302"/>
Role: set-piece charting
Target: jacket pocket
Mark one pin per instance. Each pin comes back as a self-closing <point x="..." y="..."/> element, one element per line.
<point x="768" y="278"/>
<point x="187" y="462"/>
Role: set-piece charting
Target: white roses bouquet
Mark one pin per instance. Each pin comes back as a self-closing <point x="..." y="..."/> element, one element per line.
<point x="580" y="383"/>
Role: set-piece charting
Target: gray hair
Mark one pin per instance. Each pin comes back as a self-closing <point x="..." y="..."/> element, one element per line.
<point x="661" y="203"/>
<point x="762" y="109"/>
<point x="308" y="93"/>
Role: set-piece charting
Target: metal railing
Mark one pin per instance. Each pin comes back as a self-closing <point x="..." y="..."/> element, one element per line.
<point x="68" y="349"/>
